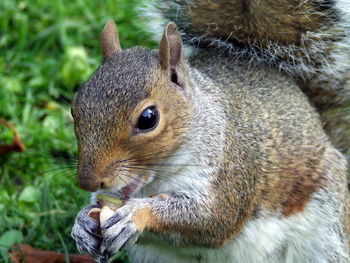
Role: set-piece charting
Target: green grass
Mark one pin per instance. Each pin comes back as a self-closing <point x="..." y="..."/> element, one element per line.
<point x="47" y="50"/>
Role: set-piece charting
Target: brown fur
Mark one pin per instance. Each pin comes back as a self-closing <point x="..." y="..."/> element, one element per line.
<point x="298" y="177"/>
<point x="145" y="220"/>
<point x="255" y="22"/>
<point x="298" y="37"/>
<point x="250" y="123"/>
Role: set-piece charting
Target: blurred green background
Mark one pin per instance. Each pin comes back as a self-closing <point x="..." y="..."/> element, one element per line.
<point x="47" y="50"/>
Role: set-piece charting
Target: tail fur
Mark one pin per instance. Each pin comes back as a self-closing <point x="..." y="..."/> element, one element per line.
<point x="308" y="39"/>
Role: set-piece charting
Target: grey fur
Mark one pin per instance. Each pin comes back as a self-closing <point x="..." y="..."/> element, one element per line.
<point x="319" y="60"/>
<point x="85" y="232"/>
<point x="261" y="154"/>
<point x="256" y="99"/>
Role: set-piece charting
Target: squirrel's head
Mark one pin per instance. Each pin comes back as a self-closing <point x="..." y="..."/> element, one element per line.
<point x="132" y="113"/>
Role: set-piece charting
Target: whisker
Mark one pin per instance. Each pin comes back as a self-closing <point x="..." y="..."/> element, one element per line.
<point x="48" y="161"/>
<point x="154" y="170"/>
<point x="50" y="154"/>
<point x="57" y="174"/>
<point x="164" y="157"/>
<point x="142" y="156"/>
<point x="163" y="171"/>
<point x="58" y="177"/>
<point x="165" y="179"/>
<point x="138" y="160"/>
<point x="137" y="179"/>
<point x="57" y="170"/>
<point x="167" y="165"/>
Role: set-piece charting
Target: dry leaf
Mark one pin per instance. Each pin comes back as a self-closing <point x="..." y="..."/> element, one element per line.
<point x="27" y="254"/>
<point x="16" y="145"/>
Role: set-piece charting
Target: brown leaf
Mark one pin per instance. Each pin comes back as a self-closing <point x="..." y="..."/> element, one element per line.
<point x="16" y="145"/>
<point x="27" y="254"/>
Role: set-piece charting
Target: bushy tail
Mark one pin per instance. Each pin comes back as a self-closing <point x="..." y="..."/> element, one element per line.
<point x="308" y="39"/>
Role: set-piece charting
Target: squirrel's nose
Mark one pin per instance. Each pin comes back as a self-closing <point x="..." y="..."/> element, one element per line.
<point x="90" y="185"/>
<point x="88" y="178"/>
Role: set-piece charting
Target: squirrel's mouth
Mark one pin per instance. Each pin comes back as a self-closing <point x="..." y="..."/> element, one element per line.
<point x="130" y="189"/>
<point x="127" y="186"/>
<point x="134" y="186"/>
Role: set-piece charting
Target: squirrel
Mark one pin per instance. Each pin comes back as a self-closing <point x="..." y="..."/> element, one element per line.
<point x="232" y="154"/>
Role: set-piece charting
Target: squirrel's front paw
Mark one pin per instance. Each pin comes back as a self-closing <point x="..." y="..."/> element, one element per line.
<point x="124" y="227"/>
<point x="85" y="233"/>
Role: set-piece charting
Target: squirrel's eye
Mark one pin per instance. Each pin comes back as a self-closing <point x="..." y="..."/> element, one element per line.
<point x="148" y="119"/>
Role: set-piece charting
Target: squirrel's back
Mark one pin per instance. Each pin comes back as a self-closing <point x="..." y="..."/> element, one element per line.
<point x="309" y="40"/>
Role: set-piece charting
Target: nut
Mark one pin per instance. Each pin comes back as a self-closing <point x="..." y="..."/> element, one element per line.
<point x="105" y="214"/>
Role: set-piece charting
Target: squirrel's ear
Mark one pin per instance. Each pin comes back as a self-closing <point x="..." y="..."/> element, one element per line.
<point x="170" y="50"/>
<point x="109" y="40"/>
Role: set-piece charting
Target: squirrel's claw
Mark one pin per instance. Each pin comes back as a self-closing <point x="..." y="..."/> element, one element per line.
<point x="123" y="235"/>
<point x="85" y="231"/>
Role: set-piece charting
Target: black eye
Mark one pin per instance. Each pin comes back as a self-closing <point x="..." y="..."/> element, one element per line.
<point x="148" y="119"/>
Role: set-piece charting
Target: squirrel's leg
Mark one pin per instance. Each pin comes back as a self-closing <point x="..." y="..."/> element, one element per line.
<point x="190" y="216"/>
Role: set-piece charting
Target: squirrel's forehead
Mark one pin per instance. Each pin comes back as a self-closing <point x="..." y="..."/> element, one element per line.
<point x="122" y="80"/>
